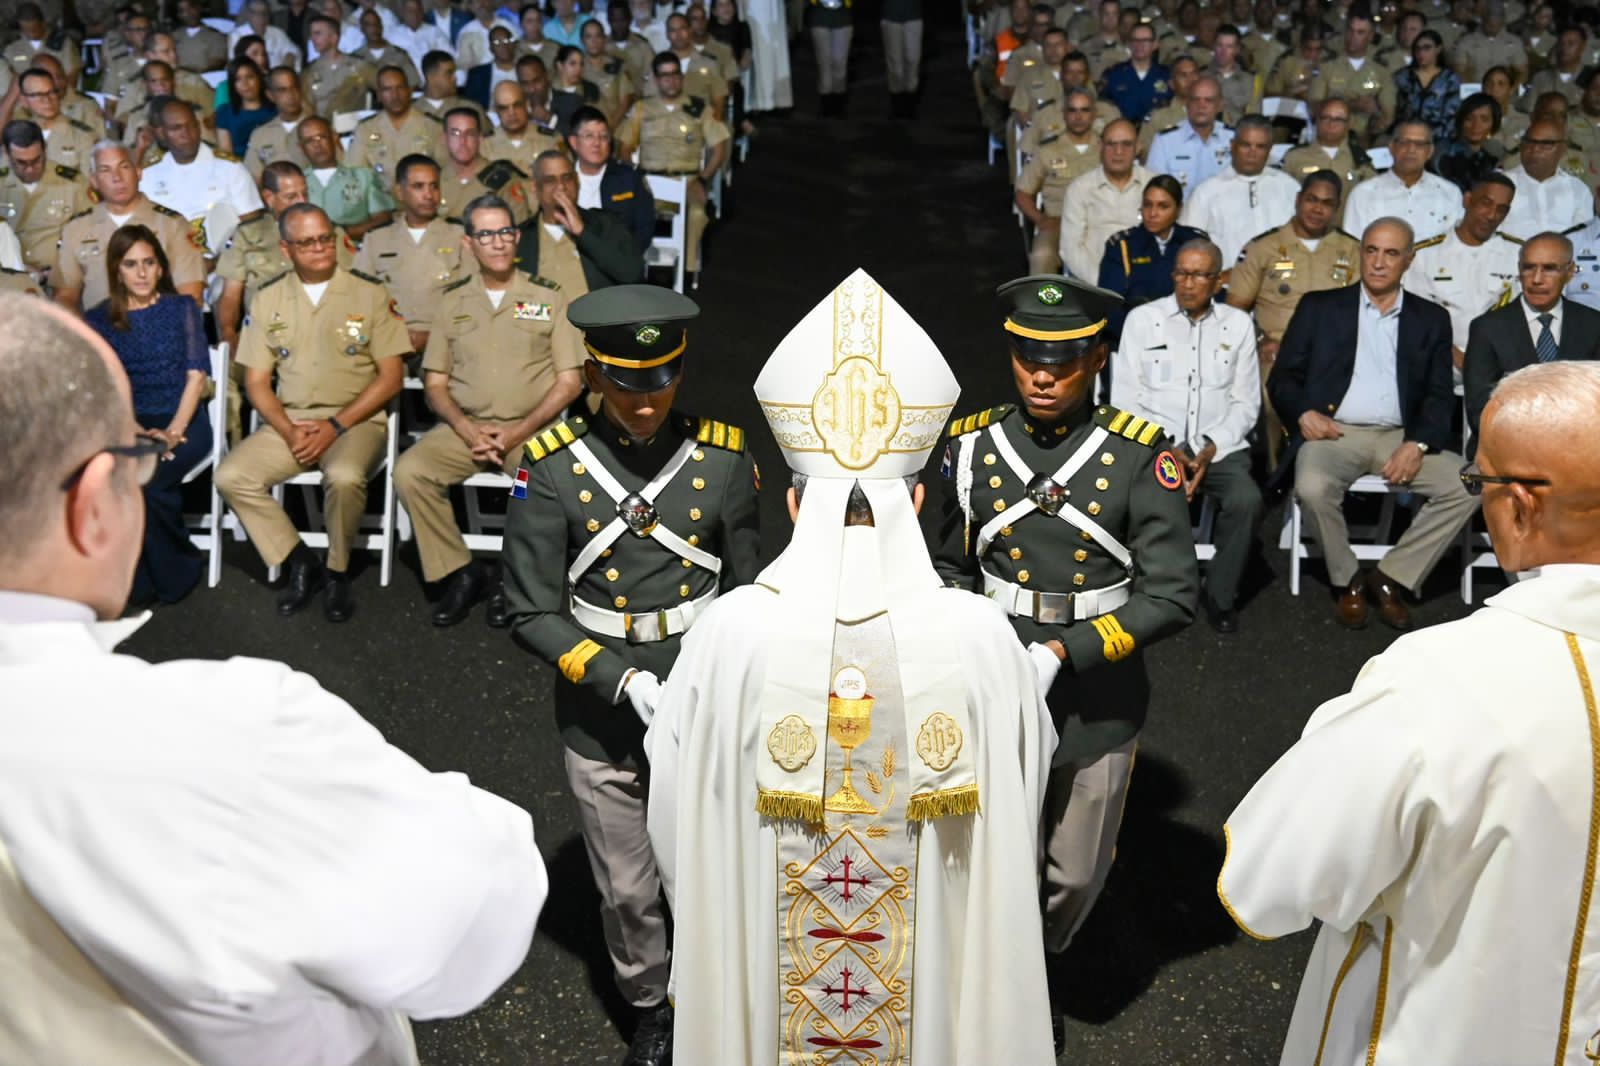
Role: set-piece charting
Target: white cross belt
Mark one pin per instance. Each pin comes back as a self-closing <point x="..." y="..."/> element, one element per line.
<point x="613" y="488"/>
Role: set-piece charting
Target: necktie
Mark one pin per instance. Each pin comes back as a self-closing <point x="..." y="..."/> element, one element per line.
<point x="1545" y="348"/>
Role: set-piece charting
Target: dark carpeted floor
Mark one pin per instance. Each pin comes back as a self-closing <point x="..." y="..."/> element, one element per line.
<point x="1159" y="975"/>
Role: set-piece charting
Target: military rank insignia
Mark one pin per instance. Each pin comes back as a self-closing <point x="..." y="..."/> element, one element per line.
<point x="519" y="487"/>
<point x="530" y="312"/>
<point x="1168" y="474"/>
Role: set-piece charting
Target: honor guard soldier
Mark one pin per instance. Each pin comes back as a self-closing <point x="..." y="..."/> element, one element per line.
<point x="37" y="197"/>
<point x="623" y="526"/>
<point x="1072" y="517"/>
<point x="396" y="131"/>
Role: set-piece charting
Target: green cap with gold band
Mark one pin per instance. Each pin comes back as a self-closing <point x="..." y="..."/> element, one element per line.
<point x="637" y="334"/>
<point x="1052" y="318"/>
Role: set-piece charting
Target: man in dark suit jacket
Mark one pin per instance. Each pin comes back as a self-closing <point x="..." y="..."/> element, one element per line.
<point x="1363" y="379"/>
<point x="605" y="247"/>
<point x="1509" y="337"/>
<point x="623" y="190"/>
<point x="480" y="79"/>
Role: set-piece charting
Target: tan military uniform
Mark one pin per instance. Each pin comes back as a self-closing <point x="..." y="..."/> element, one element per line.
<point x="1293" y="76"/>
<point x="189" y="85"/>
<point x="522" y="153"/>
<point x="70" y="144"/>
<point x="636" y="56"/>
<point x="19" y="281"/>
<point x="722" y="55"/>
<point x="379" y="144"/>
<point x="200" y="50"/>
<point x="82" y="263"/>
<point x="504" y="179"/>
<point x="1551" y="80"/>
<point x="1338" y="78"/>
<point x="1238" y="92"/>
<point x="253" y="256"/>
<point x="416" y="271"/>
<point x="702" y="78"/>
<point x="501" y="362"/>
<point x="448" y="105"/>
<point x="1046" y="175"/>
<point x="1162" y="118"/>
<point x="120" y="73"/>
<point x="20" y="54"/>
<point x="1102" y="54"/>
<point x="1513" y="126"/>
<point x="390" y="56"/>
<point x="75" y="105"/>
<point x="337" y="83"/>
<point x="269" y="143"/>
<point x="37" y="217"/>
<point x="609" y="74"/>
<point x="545" y="50"/>
<point x="1261" y="52"/>
<point x="324" y="357"/>
<point x="673" y="139"/>
<point x="560" y="263"/>
<point x="1474" y="54"/>
<point x="1307" y="159"/>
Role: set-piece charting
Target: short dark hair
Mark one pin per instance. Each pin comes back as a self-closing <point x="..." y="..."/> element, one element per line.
<point x="487" y="202"/>
<point x="660" y="59"/>
<point x="1075" y="56"/>
<point x="477" y="119"/>
<point x="1228" y="29"/>
<point x="386" y="68"/>
<point x="434" y="60"/>
<point x="1324" y="177"/>
<point x="294" y="211"/>
<point x="30" y="12"/>
<point x="411" y="162"/>
<point x="274" y="173"/>
<point x="156" y="66"/>
<point x="530" y="60"/>
<point x="1494" y="177"/>
<point x="21" y="133"/>
<point x="1169" y="185"/>
<point x="585" y="115"/>
<point x="314" y="19"/>
<point x="567" y="51"/>
<point x="37" y="72"/>
<point x="1473" y="103"/>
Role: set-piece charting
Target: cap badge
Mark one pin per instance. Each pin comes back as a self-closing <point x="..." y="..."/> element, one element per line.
<point x="1050" y="295"/>
<point x="647" y="335"/>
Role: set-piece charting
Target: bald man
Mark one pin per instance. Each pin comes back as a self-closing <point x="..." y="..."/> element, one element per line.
<point x="1439" y="819"/>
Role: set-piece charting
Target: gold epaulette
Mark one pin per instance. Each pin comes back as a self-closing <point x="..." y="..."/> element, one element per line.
<point x="1429" y="243"/>
<point x="555" y="438"/>
<point x="718" y="434"/>
<point x="960" y="427"/>
<point x="1125" y="424"/>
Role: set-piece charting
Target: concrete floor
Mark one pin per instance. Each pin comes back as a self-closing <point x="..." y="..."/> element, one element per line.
<point x="1159" y="975"/>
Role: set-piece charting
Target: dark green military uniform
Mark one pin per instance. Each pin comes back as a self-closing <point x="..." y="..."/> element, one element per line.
<point x="603" y="574"/>
<point x="1120" y="536"/>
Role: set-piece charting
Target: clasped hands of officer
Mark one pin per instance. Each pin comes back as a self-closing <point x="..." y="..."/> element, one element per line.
<point x="309" y="438"/>
<point x="1195" y="467"/>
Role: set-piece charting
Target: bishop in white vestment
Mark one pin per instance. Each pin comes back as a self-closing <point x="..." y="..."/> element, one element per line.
<point x="848" y="762"/>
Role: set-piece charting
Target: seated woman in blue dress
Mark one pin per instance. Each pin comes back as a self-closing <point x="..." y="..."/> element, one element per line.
<point x="1138" y="262"/>
<point x="161" y="341"/>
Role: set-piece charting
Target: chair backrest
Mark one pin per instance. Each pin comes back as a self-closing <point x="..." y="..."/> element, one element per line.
<point x="216" y="411"/>
<point x="1276" y="154"/>
<point x="58" y="1007"/>
<point x="1470" y="87"/>
<point x="221" y="25"/>
<point x="214" y="78"/>
<point x="673" y="190"/>
<point x="1285" y="107"/>
<point x="1381" y="158"/>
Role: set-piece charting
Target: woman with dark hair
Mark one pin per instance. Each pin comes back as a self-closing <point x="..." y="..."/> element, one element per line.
<point x="1498" y="83"/>
<point x="1427" y="90"/>
<point x="1473" y="151"/>
<point x="161" y="341"/>
<point x="606" y="72"/>
<point x="569" y="89"/>
<point x="1138" y="261"/>
<point x="726" y="26"/>
<point x="246" y="107"/>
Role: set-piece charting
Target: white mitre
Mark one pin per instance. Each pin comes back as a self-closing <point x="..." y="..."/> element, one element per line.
<point x="856" y="393"/>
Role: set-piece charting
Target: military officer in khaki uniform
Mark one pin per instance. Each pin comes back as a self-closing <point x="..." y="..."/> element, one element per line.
<point x="335" y="82"/>
<point x="1331" y="148"/>
<point x="517" y="140"/>
<point x="1262" y="49"/>
<point x="37" y="197"/>
<point x="439" y="96"/>
<point x="1035" y="81"/>
<point x="677" y="134"/>
<point x="67" y="141"/>
<point x="465" y="174"/>
<point x="19" y="281"/>
<point x="335" y="346"/>
<point x="73" y="104"/>
<point x="279" y="138"/>
<point x="418" y="255"/>
<point x="1295" y="71"/>
<point x="1278" y="267"/>
<point x="396" y="131"/>
<point x="1490" y="45"/>
<point x="1065" y="151"/>
<point x="607" y="72"/>
<point x="1360" y="80"/>
<point x="80" y="281"/>
<point x="189" y="85"/>
<point x="1182" y="74"/>
<point x="701" y="75"/>
<point x="502" y="362"/>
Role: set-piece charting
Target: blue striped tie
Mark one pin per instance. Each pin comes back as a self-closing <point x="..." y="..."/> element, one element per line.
<point x="1545" y="349"/>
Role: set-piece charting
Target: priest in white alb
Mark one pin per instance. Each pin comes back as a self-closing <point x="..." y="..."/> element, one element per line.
<point x="1441" y="819"/>
<point x="848" y="761"/>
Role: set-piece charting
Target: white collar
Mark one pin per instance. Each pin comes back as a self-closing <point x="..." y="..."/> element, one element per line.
<point x="1563" y="596"/>
<point x="1533" y="316"/>
<point x="21" y="608"/>
<point x="1368" y="305"/>
<point x="34" y="626"/>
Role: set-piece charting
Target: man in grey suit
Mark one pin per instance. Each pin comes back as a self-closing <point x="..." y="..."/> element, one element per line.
<point x="1539" y="327"/>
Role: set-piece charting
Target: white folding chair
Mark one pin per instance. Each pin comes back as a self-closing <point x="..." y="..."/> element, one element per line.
<point x="1371" y="542"/>
<point x="214" y="78"/>
<point x="221" y="25"/>
<point x="1470" y="87"/>
<point x="484" y="531"/>
<point x="673" y="249"/>
<point x="1381" y="158"/>
<point x="1285" y="107"/>
<point x="1277" y="152"/>
<point x="1204" y="549"/>
<point x="206" y="529"/>
<point x="1477" y="551"/>
<point x="379" y="535"/>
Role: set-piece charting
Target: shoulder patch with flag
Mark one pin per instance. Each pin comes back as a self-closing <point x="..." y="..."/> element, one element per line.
<point x="519" y="487"/>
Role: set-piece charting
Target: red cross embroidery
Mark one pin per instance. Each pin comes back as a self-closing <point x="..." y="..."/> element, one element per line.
<point x="844" y="991"/>
<point x="844" y="880"/>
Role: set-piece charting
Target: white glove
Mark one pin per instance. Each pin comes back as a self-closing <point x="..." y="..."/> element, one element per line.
<point x="644" y="692"/>
<point x="1045" y="663"/>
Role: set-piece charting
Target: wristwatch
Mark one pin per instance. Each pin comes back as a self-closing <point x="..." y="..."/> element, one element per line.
<point x="1421" y="446"/>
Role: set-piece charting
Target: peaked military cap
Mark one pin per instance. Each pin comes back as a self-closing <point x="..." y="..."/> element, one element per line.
<point x="636" y="333"/>
<point x="1053" y="318"/>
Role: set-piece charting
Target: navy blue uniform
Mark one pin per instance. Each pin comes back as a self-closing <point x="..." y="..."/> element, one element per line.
<point x="1134" y="96"/>
<point x="1135" y="268"/>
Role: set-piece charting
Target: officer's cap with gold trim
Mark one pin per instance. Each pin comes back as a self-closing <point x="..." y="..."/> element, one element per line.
<point x="1054" y="319"/>
<point x="636" y="333"/>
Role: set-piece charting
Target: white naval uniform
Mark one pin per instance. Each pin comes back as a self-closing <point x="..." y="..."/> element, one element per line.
<point x="1432" y="205"/>
<point x="1232" y="208"/>
<point x="1558" y="203"/>
<point x="1585" y="284"/>
<point x="1465" y="280"/>
<point x="243" y="856"/>
<point x="1181" y="153"/>
<point x="218" y="192"/>
<point x="1436" y="820"/>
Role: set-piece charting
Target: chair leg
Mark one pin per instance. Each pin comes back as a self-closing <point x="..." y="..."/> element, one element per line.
<point x="1296" y="548"/>
<point x="214" y="559"/>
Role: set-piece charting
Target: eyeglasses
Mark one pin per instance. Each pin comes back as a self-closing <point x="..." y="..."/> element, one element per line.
<point x="593" y="138"/>
<point x="1474" y="480"/>
<point x="1534" y="142"/>
<point x="1181" y="276"/>
<point x="146" y="452"/>
<point x="1540" y="270"/>
<point x="40" y="96"/>
<point x="321" y="240"/>
<point x="489" y="236"/>
<point x="1411" y="142"/>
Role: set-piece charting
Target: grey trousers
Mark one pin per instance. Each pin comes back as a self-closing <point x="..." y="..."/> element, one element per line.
<point x="1325" y="469"/>
<point x="611" y="815"/>
<point x="902" y="54"/>
<point x="832" y="45"/>
<point x="1082" y="813"/>
<point x="1239" y="507"/>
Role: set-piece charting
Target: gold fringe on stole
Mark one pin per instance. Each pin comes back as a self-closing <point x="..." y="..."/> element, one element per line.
<point x="945" y="803"/>
<point x="789" y="806"/>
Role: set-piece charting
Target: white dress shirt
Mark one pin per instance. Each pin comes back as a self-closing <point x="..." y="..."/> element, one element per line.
<point x="589" y="188"/>
<point x="242" y="855"/>
<point x="1233" y="208"/>
<point x="1466" y="280"/>
<point x="422" y="40"/>
<point x="1373" y="398"/>
<point x="215" y="191"/>
<point x="1432" y="205"/>
<point x="1557" y="204"/>
<point x="1196" y="379"/>
<point x="1585" y="284"/>
<point x="1092" y="209"/>
<point x="1535" y="327"/>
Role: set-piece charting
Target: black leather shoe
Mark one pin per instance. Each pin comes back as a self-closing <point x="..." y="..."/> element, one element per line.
<point x="495" y="611"/>
<point x="1223" y="620"/>
<point x="305" y="579"/>
<point x="461" y="591"/>
<point x="652" y="1040"/>
<point x="339" y="603"/>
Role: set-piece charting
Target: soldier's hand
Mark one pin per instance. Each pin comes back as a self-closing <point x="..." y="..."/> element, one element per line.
<point x="1404" y="465"/>
<point x="566" y="213"/>
<point x="311" y="440"/>
<point x="1267" y="352"/>
<point x="1195" y="470"/>
<point x="1314" y="425"/>
<point x="419" y="339"/>
<point x="490" y="446"/>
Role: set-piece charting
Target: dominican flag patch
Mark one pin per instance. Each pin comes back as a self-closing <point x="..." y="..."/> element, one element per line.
<point x="519" y="487"/>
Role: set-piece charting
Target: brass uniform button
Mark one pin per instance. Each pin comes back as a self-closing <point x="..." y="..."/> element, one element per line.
<point x="694" y="540"/>
<point x="612" y="575"/>
<point x="1061" y="431"/>
<point x="694" y="514"/>
<point x="1005" y="531"/>
<point x="585" y="496"/>
<point x="1022" y="577"/>
<point x="1094" y="507"/>
<point x="1106" y="458"/>
<point x="699" y="483"/>
<point x="578" y="468"/>
<point x="624" y="442"/>
<point x="1086" y="535"/>
<point x="994" y="482"/>
<point x="1026" y="428"/>
<point x="1016" y="553"/>
<point x="999" y="505"/>
<point x="687" y="564"/>
<point x="592" y="526"/>
<point x="606" y="554"/>
<point x="1077" y="579"/>
<point x="1102" y="484"/>
<point x="988" y="460"/>
<point x="683" y="590"/>
<point x="1079" y="556"/>
<point x="621" y="601"/>
<point x="697" y="455"/>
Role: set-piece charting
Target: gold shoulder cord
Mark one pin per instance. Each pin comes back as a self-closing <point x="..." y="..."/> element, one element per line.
<point x="1587" y="893"/>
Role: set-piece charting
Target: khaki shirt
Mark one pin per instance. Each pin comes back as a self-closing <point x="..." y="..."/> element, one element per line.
<point x="448" y="105"/>
<point x="379" y="144"/>
<point x="505" y="180"/>
<point x="722" y="55"/>
<point x="1338" y="78"/>
<point x="85" y="236"/>
<point x="560" y="263"/>
<point x="1238" y="93"/>
<point x="38" y="216"/>
<point x="20" y="54"/>
<point x="672" y="138"/>
<point x="190" y="86"/>
<point x="610" y="75"/>
<point x="1307" y="159"/>
<point x="253" y="256"/>
<point x="521" y="154"/>
<point x="1275" y="270"/>
<point x="18" y="281"/>
<point x="203" y="50"/>
<point x="416" y="272"/>
<point x="71" y="144"/>
<point x="1474" y="54"/>
<point x="700" y="78"/>
<point x="1102" y="54"/>
<point x="336" y="83"/>
<point x="1093" y="209"/>
<point x="327" y="354"/>
<point x="1261" y="51"/>
<point x="502" y="361"/>
<point x="1052" y="169"/>
<point x="1293" y="76"/>
<point x="122" y="72"/>
<point x="77" y="106"/>
<point x="1160" y="119"/>
<point x="269" y="143"/>
<point x="1551" y="80"/>
<point x="545" y="50"/>
<point x="390" y="56"/>
<point x="1034" y="85"/>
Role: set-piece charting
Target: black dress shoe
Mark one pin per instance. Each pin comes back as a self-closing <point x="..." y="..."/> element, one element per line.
<point x="340" y="602"/>
<point x="305" y="578"/>
<point x="495" y="611"/>
<point x="1223" y="620"/>
<point x="652" y="1040"/>
<point x="461" y="591"/>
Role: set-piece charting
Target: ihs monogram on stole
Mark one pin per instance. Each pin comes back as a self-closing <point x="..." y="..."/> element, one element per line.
<point x="846" y="889"/>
